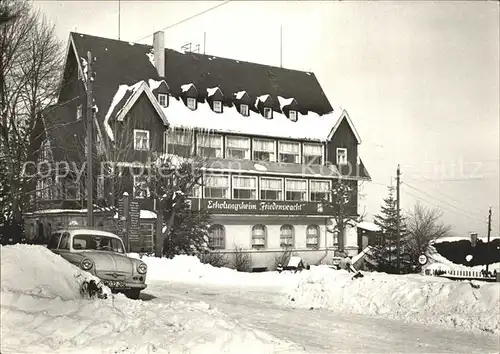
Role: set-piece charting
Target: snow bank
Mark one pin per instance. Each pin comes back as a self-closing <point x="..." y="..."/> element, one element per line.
<point x="437" y="261"/>
<point x="412" y="298"/>
<point x="120" y="325"/>
<point x="36" y="271"/>
<point x="189" y="269"/>
<point x="42" y="312"/>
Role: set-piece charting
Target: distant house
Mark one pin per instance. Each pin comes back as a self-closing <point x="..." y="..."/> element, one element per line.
<point x="275" y="144"/>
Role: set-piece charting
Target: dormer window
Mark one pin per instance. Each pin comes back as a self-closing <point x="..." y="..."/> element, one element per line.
<point x="244" y="110"/>
<point x="79" y="112"/>
<point x="218" y="106"/>
<point x="191" y="103"/>
<point x="341" y="156"/>
<point x="292" y="115"/>
<point x="163" y="99"/>
<point x="268" y="112"/>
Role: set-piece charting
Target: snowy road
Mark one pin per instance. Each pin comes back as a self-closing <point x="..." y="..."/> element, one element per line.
<point x="321" y="331"/>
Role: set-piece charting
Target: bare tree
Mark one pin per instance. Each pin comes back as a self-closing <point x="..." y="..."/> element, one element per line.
<point x="423" y="226"/>
<point x="30" y="62"/>
<point x="343" y="204"/>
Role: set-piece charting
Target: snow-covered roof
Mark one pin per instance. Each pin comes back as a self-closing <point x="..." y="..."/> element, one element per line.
<point x="307" y="127"/>
<point x="211" y="91"/>
<point x="186" y="87"/>
<point x="369" y="226"/>
<point x="239" y="95"/>
<point x="310" y="126"/>
<point x="285" y="102"/>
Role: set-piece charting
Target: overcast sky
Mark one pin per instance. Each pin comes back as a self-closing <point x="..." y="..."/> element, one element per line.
<point x="420" y="80"/>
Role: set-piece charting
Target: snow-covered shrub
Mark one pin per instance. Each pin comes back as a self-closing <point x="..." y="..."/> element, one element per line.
<point x="242" y="260"/>
<point x="215" y="259"/>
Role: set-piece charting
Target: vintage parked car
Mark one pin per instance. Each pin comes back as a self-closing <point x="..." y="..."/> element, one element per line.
<point x="103" y="255"/>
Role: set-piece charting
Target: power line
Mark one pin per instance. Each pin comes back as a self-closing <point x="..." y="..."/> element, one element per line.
<point x="187" y="19"/>
<point x="441" y="207"/>
<point x="438" y="200"/>
<point x="454" y="200"/>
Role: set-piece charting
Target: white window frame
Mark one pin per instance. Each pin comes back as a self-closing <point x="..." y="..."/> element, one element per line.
<point x="217" y="106"/>
<point x="296" y="179"/>
<point x="165" y="97"/>
<point x="292" y="114"/>
<point x="135" y="139"/>
<point x="191" y="103"/>
<point x="252" y="238"/>
<point x="207" y="176"/>
<point x="292" y="244"/>
<point x="248" y="151"/>
<point x="273" y="178"/>
<point x="279" y="151"/>
<point x="249" y="177"/>
<point x="337" y="156"/>
<point x="79" y="112"/>
<point x="268" y="112"/>
<point x="134" y="194"/>
<point x="166" y="139"/>
<point x="198" y="146"/>
<point x="319" y="180"/>
<point x="244" y="110"/>
<point x="312" y="245"/>
<point x="315" y="144"/>
<point x="274" y="159"/>
<point x="218" y="247"/>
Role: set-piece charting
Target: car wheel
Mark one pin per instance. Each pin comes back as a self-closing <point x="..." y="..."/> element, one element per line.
<point x="133" y="294"/>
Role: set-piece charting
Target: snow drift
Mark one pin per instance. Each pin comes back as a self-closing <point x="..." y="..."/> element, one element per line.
<point x="36" y="271"/>
<point x="412" y="298"/>
<point x="189" y="269"/>
<point x="42" y="311"/>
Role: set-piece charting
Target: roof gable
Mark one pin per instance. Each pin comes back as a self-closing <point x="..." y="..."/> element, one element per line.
<point x="345" y="116"/>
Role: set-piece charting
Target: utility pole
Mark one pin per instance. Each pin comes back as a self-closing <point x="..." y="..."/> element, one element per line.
<point x="119" y="15"/>
<point x="90" y="114"/>
<point x="281" y="46"/>
<point x="398" y="218"/>
<point x="488" y="244"/>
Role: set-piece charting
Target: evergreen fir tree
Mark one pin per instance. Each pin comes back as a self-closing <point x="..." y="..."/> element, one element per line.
<point x="384" y="250"/>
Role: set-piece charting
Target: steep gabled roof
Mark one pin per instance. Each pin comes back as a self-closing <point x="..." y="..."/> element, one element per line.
<point x="119" y="62"/>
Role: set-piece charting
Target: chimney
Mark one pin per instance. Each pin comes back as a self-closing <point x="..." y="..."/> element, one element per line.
<point x="159" y="52"/>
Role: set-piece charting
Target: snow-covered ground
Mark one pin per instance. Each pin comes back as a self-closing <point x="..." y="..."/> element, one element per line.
<point x="42" y="311"/>
<point x="190" y="307"/>
<point x="412" y="298"/>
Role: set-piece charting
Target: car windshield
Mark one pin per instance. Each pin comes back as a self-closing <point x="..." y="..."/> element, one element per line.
<point x="96" y="242"/>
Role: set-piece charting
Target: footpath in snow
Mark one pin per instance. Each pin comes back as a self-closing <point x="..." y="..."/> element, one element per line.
<point x="43" y="311"/>
<point x="412" y="298"/>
